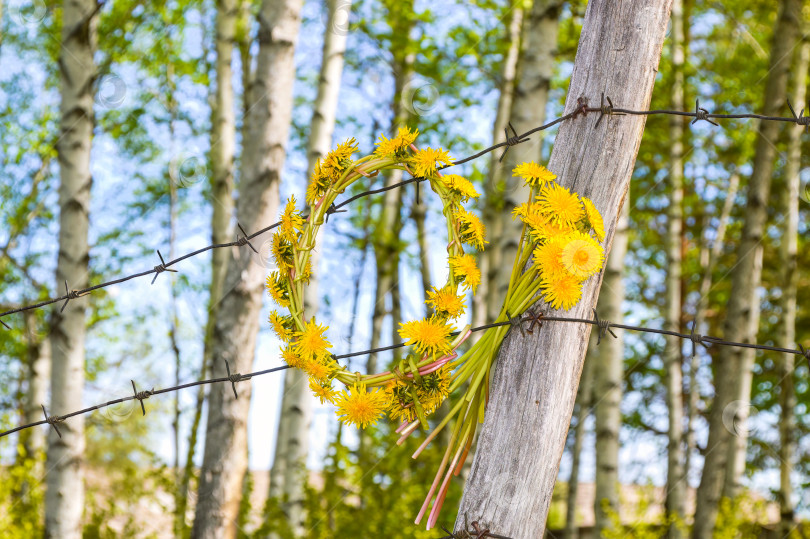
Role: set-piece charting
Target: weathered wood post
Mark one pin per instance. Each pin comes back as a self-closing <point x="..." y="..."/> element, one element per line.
<point x="536" y="376"/>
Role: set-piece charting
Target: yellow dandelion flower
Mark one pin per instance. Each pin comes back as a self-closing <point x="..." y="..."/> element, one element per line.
<point x="400" y="401"/>
<point x="460" y="187"/>
<point x="582" y="256"/>
<point x="548" y="258"/>
<point x="311" y="343"/>
<point x="322" y="390"/>
<point x="340" y="157"/>
<point x="291" y="221"/>
<point x="471" y="229"/>
<point x="427" y="336"/>
<point x="445" y="302"/>
<point x="283" y="326"/>
<point x="534" y="174"/>
<point x="562" y="292"/>
<point x="319" y="370"/>
<point x="292" y="358"/>
<point x="434" y="389"/>
<point x="283" y="251"/>
<point x="521" y="211"/>
<point x="594" y="218"/>
<point x="542" y="228"/>
<point x="277" y="287"/>
<point x="424" y="163"/>
<point x="320" y="180"/>
<point x="561" y="205"/>
<point x="360" y="407"/>
<point x="465" y="271"/>
<point x="397" y="146"/>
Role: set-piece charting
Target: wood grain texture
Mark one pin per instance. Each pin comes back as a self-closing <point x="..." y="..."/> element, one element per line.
<point x="536" y="376"/>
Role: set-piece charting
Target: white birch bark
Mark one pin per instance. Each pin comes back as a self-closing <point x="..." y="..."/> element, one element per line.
<point x="673" y="361"/>
<point x="64" y="499"/>
<point x="609" y="359"/>
<point x="733" y="367"/>
<point x="788" y="253"/>
<point x="528" y="110"/>
<point x="236" y="328"/>
<point x="289" y="464"/>
<point x="222" y="156"/>
<point x="708" y="261"/>
<point x="536" y="377"/>
<point x="385" y="238"/>
<point x="39" y="374"/>
<point x="490" y="213"/>
<point x="583" y="409"/>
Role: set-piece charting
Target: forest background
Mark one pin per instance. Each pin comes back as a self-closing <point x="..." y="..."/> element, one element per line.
<point x="165" y="158"/>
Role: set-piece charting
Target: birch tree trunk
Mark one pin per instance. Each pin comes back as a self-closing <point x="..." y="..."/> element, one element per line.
<point x="788" y="253"/>
<point x="609" y="359"/>
<point x="492" y="196"/>
<point x="528" y="110"/>
<point x="236" y="328"/>
<point x="582" y="408"/>
<point x="39" y="373"/>
<point x="222" y="154"/>
<point x="289" y="463"/>
<point x="385" y="239"/>
<point x="536" y="376"/>
<point x="673" y="362"/>
<point x="733" y="368"/>
<point x="64" y="498"/>
<point x="708" y="261"/>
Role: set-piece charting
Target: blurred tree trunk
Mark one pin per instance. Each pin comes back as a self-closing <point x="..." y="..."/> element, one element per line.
<point x="609" y="359"/>
<point x="528" y="110"/>
<point x="515" y="468"/>
<point x="419" y="213"/>
<point x="708" y="261"/>
<point x="673" y="361"/>
<point x="582" y="408"/>
<point x="385" y="238"/>
<point x="491" y="198"/>
<point x="64" y="499"/>
<point x="39" y="373"/>
<point x="292" y="442"/>
<point x="722" y="467"/>
<point x="237" y="326"/>
<point x="222" y="153"/>
<point x="788" y="253"/>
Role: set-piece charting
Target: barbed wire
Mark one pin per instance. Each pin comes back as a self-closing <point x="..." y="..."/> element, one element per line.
<point x="535" y="321"/>
<point x="605" y="108"/>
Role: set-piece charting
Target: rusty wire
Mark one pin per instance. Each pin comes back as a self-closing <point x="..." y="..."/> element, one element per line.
<point x="604" y="109"/>
<point x="535" y="320"/>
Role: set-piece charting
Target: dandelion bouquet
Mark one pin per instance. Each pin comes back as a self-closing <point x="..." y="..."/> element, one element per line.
<point x="559" y="249"/>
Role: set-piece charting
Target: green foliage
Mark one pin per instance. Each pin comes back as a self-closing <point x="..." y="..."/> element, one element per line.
<point x="22" y="497"/>
<point x="375" y="491"/>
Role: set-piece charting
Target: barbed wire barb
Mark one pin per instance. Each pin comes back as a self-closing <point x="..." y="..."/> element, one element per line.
<point x="233" y="378"/>
<point x="604" y="328"/>
<point x="801" y="119"/>
<point x="140" y="396"/>
<point x="514" y="140"/>
<point x="52" y="420"/>
<point x="245" y="239"/>
<point x="160" y="268"/>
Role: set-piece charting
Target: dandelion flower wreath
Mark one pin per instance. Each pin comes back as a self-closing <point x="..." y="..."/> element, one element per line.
<point x="561" y="238"/>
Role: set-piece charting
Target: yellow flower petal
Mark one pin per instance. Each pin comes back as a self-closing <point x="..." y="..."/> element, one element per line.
<point x="427" y="336"/>
<point x="360" y="407"/>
